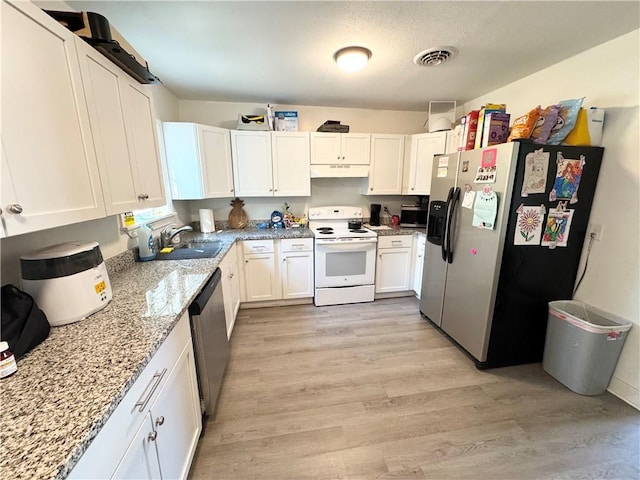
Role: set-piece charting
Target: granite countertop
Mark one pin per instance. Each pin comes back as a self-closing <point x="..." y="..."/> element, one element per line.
<point x="67" y="387"/>
<point x="385" y="232"/>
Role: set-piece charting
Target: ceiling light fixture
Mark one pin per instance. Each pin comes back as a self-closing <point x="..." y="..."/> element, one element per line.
<point x="352" y="59"/>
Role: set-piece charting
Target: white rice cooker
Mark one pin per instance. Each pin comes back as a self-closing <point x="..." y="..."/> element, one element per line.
<point x="68" y="281"/>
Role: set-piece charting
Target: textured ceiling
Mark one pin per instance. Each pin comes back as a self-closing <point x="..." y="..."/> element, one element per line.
<point x="282" y="52"/>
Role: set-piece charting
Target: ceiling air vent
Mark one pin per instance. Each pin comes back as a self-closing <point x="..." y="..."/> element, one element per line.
<point x="433" y="57"/>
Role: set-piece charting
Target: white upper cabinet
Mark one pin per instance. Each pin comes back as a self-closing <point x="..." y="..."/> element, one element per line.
<point x="199" y="161"/>
<point x="291" y="170"/>
<point x="419" y="161"/>
<point x="48" y="163"/>
<point x="252" y="168"/>
<point x="123" y="128"/>
<point x="385" y="172"/>
<point x="340" y="148"/>
<point x="267" y="164"/>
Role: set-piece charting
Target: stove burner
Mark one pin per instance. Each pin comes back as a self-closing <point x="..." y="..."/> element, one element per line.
<point x="359" y="230"/>
<point x="324" y="229"/>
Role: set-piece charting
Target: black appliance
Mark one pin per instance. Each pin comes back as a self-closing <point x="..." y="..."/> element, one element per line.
<point x="94" y="29"/>
<point x="375" y="214"/>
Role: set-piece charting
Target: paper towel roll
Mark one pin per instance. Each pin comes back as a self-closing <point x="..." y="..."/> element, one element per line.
<point x="207" y="225"/>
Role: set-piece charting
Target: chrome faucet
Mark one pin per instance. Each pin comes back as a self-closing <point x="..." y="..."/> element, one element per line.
<point x="168" y="232"/>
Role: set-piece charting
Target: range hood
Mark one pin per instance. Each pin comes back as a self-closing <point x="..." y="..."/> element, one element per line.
<point x="94" y="29"/>
<point x="333" y="171"/>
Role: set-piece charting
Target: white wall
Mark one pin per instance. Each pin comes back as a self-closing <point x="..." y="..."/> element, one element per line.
<point x="105" y="231"/>
<point x="324" y="191"/>
<point x="608" y="76"/>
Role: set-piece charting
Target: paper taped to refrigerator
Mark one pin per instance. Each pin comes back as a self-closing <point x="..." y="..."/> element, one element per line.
<point x="536" y="167"/>
<point x="485" y="209"/>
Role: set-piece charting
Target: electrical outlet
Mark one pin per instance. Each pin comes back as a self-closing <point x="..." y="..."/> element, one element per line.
<point x="595" y="231"/>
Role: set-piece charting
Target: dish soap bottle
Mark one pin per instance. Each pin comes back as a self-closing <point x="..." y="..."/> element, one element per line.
<point x="146" y="247"/>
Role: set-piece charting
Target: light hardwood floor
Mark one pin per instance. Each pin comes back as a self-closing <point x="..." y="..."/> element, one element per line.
<point x="372" y="391"/>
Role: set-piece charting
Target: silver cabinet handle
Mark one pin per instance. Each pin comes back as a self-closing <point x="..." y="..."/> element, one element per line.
<point x="284" y="259"/>
<point x="338" y="157"/>
<point x="371" y="189"/>
<point x="271" y="189"/>
<point x="152" y="436"/>
<point x="0" y="211"/>
<point x="412" y="188"/>
<point x="140" y="197"/>
<point x="231" y="190"/>
<point x="160" y="421"/>
<point x="14" y="208"/>
<point x="157" y="377"/>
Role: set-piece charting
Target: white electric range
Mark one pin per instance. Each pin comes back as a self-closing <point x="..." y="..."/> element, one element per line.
<point x="345" y="258"/>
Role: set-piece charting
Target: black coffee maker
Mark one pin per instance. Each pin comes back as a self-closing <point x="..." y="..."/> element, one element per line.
<point x="375" y="215"/>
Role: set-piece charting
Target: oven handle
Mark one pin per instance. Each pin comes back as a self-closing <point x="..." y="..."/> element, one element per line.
<point x="344" y="247"/>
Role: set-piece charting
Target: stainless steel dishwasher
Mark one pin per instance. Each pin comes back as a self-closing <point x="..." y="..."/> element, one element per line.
<point x="209" y="331"/>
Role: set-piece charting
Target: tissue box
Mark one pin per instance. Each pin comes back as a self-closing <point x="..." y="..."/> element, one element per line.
<point x="286" y="121"/>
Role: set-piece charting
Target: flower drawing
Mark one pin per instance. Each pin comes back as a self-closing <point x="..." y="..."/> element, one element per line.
<point x="528" y="223"/>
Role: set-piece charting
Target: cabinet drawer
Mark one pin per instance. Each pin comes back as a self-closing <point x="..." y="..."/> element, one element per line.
<point x="296" y="244"/>
<point x="257" y="246"/>
<point x="395" y="241"/>
<point x="108" y="447"/>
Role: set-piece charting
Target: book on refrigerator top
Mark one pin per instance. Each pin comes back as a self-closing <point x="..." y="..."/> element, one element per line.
<point x="486" y="110"/>
<point x="496" y="129"/>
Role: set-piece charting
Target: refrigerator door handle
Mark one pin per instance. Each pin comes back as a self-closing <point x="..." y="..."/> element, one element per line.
<point x="449" y="234"/>
<point x="443" y="247"/>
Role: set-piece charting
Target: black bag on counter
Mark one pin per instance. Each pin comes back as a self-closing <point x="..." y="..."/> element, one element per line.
<point x="24" y="325"/>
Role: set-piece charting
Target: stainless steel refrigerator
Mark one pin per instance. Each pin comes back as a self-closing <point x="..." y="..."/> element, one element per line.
<point x="483" y="285"/>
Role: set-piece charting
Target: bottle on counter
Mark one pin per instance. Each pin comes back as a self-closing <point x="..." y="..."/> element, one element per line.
<point x="7" y="361"/>
<point x="146" y="247"/>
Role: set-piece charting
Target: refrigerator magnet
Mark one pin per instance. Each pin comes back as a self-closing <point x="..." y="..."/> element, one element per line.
<point x="529" y="225"/>
<point x="485" y="175"/>
<point x="567" y="181"/>
<point x="489" y="158"/>
<point x="536" y="167"/>
<point x="465" y="166"/>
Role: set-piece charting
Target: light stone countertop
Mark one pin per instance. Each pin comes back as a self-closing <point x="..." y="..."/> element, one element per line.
<point x="67" y="387"/>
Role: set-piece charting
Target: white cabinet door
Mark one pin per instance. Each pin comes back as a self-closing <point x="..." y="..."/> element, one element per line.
<point x="296" y="271"/>
<point x="418" y="265"/>
<point x="140" y="462"/>
<point x="230" y="287"/>
<point x="393" y="268"/>
<point x="356" y="148"/>
<point x="385" y="173"/>
<point x="176" y="417"/>
<point x="252" y="172"/>
<point x="261" y="282"/>
<point x="340" y="148"/>
<point x="420" y="161"/>
<point x="326" y="148"/>
<point x="199" y="161"/>
<point x="46" y="133"/>
<point x="291" y="168"/>
<point x="215" y="146"/>
<point x="120" y="154"/>
<point x="140" y="121"/>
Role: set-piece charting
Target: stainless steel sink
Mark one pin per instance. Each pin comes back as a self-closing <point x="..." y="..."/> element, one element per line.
<point x="188" y="250"/>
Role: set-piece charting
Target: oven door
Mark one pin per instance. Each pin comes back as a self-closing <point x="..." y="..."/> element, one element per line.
<point x="345" y="263"/>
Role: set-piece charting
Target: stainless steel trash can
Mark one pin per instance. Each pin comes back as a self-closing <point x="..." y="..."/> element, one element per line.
<point x="582" y="346"/>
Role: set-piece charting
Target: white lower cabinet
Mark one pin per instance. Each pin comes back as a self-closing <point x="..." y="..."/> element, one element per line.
<point x="260" y="274"/>
<point x="230" y="287"/>
<point x="393" y="265"/>
<point x="418" y="262"/>
<point x="154" y="431"/>
<point x="296" y="268"/>
<point x="277" y="269"/>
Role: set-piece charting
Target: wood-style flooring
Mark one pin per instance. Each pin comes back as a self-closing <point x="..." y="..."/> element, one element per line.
<point x="372" y="391"/>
